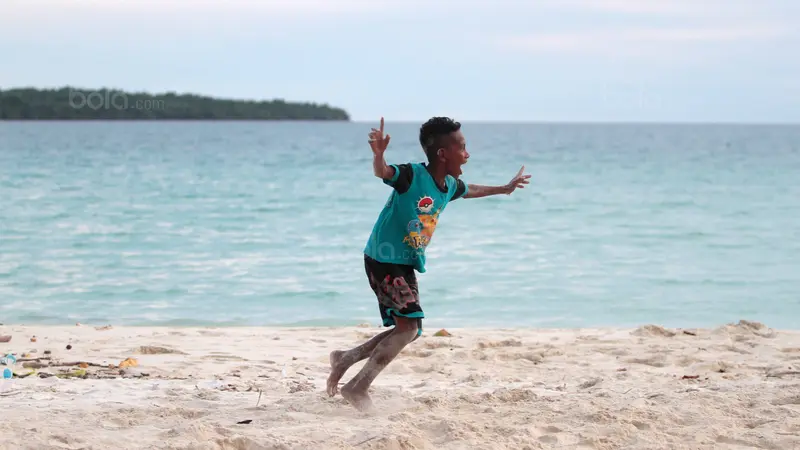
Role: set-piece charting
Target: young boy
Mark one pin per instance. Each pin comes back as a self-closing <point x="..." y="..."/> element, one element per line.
<point x="397" y="245"/>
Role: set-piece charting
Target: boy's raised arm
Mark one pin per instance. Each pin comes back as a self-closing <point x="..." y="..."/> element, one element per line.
<point x="378" y="143"/>
<point x="477" y="190"/>
<point x="380" y="168"/>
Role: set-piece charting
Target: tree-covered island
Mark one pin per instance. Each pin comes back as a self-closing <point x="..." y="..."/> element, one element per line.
<point x="71" y="103"/>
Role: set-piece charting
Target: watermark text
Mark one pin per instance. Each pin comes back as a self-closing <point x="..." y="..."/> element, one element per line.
<point x="97" y="100"/>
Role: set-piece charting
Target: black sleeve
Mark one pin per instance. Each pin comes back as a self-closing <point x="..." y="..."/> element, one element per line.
<point x="461" y="188"/>
<point x="401" y="181"/>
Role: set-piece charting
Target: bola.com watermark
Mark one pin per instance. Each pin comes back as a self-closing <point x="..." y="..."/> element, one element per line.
<point x="107" y="99"/>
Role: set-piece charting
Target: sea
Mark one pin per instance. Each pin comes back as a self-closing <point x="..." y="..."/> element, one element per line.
<point x="264" y="224"/>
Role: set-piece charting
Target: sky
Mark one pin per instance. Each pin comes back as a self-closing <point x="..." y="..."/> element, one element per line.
<point x="407" y="60"/>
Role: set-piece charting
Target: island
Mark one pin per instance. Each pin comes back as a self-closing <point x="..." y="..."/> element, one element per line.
<point x="72" y="103"/>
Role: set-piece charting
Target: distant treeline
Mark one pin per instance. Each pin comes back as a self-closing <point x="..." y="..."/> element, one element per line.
<point x="107" y="104"/>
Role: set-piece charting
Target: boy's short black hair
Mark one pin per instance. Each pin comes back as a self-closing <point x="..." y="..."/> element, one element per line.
<point x="433" y="132"/>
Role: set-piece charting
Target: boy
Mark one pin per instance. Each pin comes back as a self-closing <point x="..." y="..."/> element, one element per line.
<point x="397" y="245"/>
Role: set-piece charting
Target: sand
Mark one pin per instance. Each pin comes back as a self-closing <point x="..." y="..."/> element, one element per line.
<point x="736" y="386"/>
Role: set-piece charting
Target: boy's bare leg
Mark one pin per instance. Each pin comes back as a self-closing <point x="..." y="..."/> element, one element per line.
<point x="342" y="360"/>
<point x="387" y="349"/>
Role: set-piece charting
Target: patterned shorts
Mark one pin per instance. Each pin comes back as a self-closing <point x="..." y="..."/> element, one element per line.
<point x="395" y="286"/>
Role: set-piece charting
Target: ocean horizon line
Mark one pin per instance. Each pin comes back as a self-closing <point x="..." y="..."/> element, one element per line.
<point x="422" y="120"/>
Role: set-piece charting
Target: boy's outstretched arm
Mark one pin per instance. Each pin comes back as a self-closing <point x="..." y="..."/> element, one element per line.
<point x="477" y="190"/>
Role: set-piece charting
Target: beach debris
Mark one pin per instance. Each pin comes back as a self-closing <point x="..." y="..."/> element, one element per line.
<point x="33" y="338"/>
<point x="259" y="398"/>
<point x="104" y="328"/>
<point x="8" y="360"/>
<point x="690" y="377"/>
<point x="24" y="359"/>
<point x="152" y="350"/>
<point x="128" y="362"/>
<point x="77" y="373"/>
<point x="69" y="347"/>
<point x="77" y="363"/>
<point x="5" y="338"/>
<point x="77" y="367"/>
<point x="81" y="369"/>
<point x="47" y="352"/>
<point x="690" y="333"/>
<point x="34" y="365"/>
<point x="133" y="373"/>
<point x="442" y="333"/>
<point x="244" y="422"/>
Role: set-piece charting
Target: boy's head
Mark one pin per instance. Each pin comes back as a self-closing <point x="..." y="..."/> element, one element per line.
<point x="444" y="144"/>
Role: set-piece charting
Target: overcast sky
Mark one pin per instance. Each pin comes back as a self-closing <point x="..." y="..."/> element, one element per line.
<point x="551" y="60"/>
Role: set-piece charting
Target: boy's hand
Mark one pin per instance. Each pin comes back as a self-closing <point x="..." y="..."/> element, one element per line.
<point x="378" y="141"/>
<point x="519" y="181"/>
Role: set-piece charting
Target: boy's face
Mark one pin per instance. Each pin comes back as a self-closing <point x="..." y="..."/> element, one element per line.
<point x="455" y="154"/>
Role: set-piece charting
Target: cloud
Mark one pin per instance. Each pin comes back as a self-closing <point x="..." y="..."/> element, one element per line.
<point x="633" y="40"/>
<point x="84" y="18"/>
<point x="628" y="6"/>
<point x="716" y="9"/>
<point x="230" y="6"/>
<point x="666" y="32"/>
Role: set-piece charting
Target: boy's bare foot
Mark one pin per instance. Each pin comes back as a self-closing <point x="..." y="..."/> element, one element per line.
<point x="359" y="399"/>
<point x="337" y="371"/>
<point x="341" y="361"/>
<point x="355" y="391"/>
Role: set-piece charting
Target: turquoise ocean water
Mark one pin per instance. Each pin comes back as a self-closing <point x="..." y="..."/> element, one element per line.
<point x="264" y="224"/>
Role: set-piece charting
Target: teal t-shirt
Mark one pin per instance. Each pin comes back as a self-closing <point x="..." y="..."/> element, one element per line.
<point x="408" y="219"/>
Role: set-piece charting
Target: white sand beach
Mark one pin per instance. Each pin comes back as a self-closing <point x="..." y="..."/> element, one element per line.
<point x="736" y="386"/>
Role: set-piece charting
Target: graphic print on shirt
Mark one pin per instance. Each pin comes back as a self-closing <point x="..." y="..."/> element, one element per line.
<point x="425" y="204"/>
<point x="420" y="231"/>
